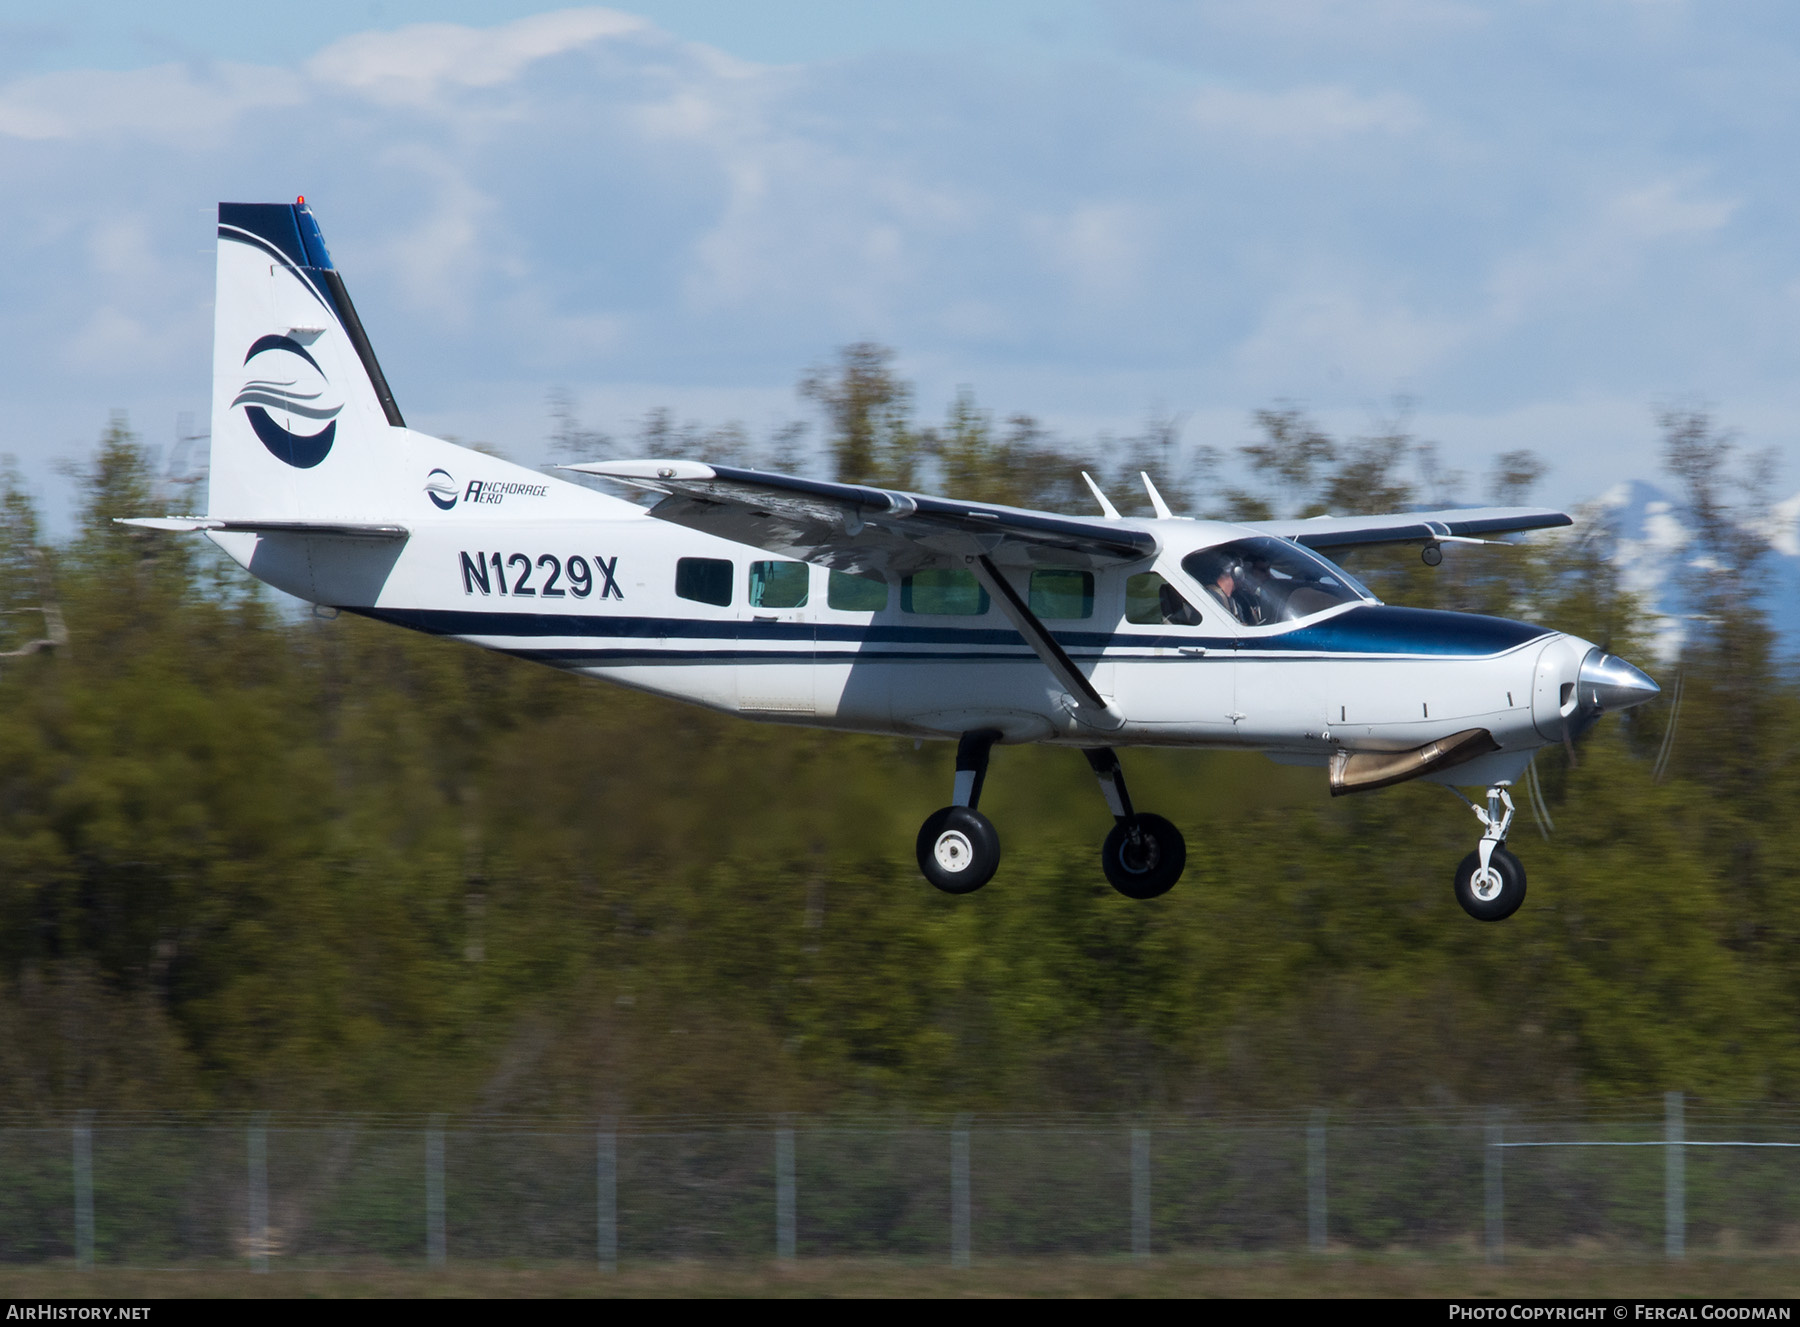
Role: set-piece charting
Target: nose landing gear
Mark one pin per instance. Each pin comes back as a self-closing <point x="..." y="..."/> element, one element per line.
<point x="1490" y="883"/>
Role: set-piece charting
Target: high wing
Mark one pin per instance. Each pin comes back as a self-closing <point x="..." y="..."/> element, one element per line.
<point x="854" y="528"/>
<point x="1458" y="525"/>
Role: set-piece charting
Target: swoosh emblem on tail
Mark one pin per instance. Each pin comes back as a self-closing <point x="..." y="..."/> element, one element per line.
<point x="286" y="343"/>
<point x="302" y="451"/>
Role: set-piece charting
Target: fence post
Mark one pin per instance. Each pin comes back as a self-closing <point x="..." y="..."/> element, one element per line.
<point x="606" y="1198"/>
<point x="1140" y="1193"/>
<point x="1496" y="1189"/>
<point x="258" y="1149"/>
<point x="434" y="1192"/>
<point x="784" y="1194"/>
<point x="959" y="1192"/>
<point x="1674" y="1177"/>
<point x="84" y="1190"/>
<point x="1315" y="1183"/>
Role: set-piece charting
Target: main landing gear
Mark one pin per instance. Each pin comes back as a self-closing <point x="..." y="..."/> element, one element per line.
<point x="1490" y="883"/>
<point x="1144" y="855"/>
<point x="959" y="849"/>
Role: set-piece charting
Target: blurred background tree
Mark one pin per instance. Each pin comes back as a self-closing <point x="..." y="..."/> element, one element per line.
<point x="250" y="858"/>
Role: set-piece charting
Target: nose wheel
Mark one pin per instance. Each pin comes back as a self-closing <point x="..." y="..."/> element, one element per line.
<point x="1492" y="892"/>
<point x="1490" y="883"/>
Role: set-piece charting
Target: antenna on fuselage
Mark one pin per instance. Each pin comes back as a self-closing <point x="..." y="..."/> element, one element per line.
<point x="1106" y="508"/>
<point x="1156" y="499"/>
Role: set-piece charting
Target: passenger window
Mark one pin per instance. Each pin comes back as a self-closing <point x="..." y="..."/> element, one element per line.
<point x="851" y="592"/>
<point x="1062" y="592"/>
<point x="778" y="584"/>
<point x="951" y="591"/>
<point x="704" y="580"/>
<point x="1150" y="601"/>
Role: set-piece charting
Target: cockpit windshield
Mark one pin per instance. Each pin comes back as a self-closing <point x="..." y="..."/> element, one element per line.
<point x="1266" y="580"/>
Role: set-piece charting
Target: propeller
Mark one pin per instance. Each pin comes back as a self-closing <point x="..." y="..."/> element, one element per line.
<point x="1661" y="768"/>
<point x="1534" y="798"/>
<point x="1603" y="683"/>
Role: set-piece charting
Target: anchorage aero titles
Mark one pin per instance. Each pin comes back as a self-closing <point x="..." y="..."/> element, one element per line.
<point x="848" y="607"/>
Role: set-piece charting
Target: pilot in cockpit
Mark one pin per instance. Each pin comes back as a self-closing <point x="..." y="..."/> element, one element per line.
<point x="1230" y="587"/>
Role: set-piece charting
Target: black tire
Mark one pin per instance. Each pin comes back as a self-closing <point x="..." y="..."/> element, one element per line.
<point x="1506" y="900"/>
<point x="959" y="849"/>
<point x="1145" y="864"/>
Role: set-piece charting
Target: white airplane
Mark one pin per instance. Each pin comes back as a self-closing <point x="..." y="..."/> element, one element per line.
<point x="842" y="606"/>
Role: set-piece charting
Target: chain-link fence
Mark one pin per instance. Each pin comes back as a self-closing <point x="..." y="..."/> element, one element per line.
<point x="154" y="1192"/>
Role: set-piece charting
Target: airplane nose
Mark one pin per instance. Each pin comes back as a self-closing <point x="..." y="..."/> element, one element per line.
<point x="1606" y="682"/>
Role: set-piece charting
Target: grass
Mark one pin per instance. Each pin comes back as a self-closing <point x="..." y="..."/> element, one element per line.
<point x="1342" y="1275"/>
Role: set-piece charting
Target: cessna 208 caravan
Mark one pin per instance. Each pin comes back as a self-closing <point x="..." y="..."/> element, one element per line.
<point x="844" y="606"/>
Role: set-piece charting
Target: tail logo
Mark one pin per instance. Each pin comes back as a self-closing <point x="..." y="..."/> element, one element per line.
<point x="441" y="489"/>
<point x="295" y="386"/>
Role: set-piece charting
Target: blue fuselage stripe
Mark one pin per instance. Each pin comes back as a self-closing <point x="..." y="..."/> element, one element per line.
<point x="1376" y="630"/>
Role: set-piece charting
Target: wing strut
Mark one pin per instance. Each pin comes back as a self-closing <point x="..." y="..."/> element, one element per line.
<point x="1090" y="705"/>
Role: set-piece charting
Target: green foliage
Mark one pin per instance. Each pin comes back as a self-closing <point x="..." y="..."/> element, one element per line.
<point x="254" y="860"/>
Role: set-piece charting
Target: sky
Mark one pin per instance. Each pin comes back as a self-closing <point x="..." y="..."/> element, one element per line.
<point x="1536" y="222"/>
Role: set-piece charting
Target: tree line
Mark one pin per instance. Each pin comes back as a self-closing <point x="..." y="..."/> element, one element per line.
<point x="254" y="858"/>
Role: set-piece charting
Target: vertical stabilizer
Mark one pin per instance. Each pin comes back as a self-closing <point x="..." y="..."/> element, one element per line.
<point x="303" y="423"/>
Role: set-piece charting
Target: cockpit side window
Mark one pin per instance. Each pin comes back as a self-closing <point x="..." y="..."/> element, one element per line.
<point x="1266" y="580"/>
<point x="1150" y="601"/>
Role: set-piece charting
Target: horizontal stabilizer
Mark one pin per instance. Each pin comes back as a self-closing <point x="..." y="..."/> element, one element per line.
<point x="1362" y="771"/>
<point x="191" y="524"/>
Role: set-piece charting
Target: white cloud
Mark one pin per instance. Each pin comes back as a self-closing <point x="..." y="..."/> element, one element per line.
<point x="174" y="105"/>
<point x="1366" y="339"/>
<point x="414" y="65"/>
<point x="1357" y="24"/>
<point x="108" y="338"/>
<point x="1308" y="116"/>
<point x="1783" y="528"/>
<point x="439" y="258"/>
<point x="1102" y="248"/>
<point x="1605" y="246"/>
<point x="121" y="247"/>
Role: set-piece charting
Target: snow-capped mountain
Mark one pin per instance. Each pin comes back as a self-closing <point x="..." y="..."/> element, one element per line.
<point x="1654" y="546"/>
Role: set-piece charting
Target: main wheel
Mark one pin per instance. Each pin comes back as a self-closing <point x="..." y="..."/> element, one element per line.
<point x="1496" y="895"/>
<point x="1145" y="863"/>
<point x="959" y="849"/>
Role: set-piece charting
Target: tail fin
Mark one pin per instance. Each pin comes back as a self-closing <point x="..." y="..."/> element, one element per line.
<point x="302" y="416"/>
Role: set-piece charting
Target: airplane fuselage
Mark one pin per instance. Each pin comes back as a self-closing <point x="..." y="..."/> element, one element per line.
<point x="589" y="583"/>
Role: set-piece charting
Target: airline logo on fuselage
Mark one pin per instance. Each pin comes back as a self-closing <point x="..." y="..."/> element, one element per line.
<point x="496" y="492"/>
<point x="440" y="487"/>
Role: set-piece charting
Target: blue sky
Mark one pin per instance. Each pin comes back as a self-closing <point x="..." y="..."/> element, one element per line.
<point x="1536" y="220"/>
